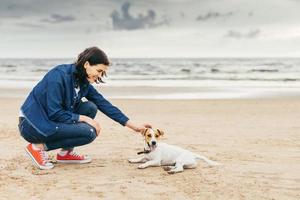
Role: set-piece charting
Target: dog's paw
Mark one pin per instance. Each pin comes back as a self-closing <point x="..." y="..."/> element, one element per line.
<point x="143" y="166"/>
<point x="174" y="171"/>
<point x="168" y="168"/>
<point x="130" y="160"/>
<point x="171" y="172"/>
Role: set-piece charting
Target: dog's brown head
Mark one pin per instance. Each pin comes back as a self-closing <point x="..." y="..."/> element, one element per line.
<point x="152" y="136"/>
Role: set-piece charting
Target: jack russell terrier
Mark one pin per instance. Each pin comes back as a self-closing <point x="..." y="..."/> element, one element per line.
<point x="173" y="158"/>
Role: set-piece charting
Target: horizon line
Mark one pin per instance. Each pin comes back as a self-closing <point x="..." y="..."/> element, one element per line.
<point x="166" y="57"/>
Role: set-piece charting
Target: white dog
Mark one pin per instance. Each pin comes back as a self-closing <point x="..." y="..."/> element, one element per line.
<point x="175" y="159"/>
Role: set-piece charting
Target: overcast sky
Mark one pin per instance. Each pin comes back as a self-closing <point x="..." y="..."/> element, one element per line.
<point x="150" y="28"/>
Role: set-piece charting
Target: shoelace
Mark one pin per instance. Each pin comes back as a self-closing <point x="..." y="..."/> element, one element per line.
<point x="73" y="153"/>
<point x="44" y="157"/>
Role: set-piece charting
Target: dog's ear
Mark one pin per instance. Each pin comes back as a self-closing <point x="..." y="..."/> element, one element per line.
<point x="144" y="132"/>
<point x="160" y="132"/>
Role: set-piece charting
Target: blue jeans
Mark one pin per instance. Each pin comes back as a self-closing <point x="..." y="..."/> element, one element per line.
<point x="68" y="135"/>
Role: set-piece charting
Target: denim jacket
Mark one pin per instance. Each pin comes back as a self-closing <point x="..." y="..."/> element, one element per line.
<point x="53" y="99"/>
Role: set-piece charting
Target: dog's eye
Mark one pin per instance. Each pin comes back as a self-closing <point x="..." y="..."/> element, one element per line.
<point x="156" y="136"/>
<point x="149" y="135"/>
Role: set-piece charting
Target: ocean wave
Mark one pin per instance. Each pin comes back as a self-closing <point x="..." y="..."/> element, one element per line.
<point x="39" y="70"/>
<point x="202" y="69"/>
<point x="8" y="66"/>
<point x="264" y="70"/>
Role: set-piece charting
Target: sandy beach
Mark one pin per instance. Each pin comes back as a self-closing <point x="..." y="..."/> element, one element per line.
<point x="256" y="140"/>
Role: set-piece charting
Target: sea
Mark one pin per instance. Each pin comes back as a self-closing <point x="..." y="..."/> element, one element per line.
<point x="174" y="78"/>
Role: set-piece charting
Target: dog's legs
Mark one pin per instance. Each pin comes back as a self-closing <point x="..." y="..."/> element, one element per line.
<point x="184" y="161"/>
<point x="178" y="168"/>
<point x="137" y="160"/>
<point x="189" y="162"/>
<point x="150" y="163"/>
<point x="168" y="168"/>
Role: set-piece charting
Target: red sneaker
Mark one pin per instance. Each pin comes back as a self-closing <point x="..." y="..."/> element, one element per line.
<point x="39" y="157"/>
<point x="72" y="157"/>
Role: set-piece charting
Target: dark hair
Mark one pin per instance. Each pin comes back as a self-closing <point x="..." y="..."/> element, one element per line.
<point x="94" y="56"/>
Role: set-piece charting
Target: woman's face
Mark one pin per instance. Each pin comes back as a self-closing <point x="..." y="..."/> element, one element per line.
<point x="94" y="71"/>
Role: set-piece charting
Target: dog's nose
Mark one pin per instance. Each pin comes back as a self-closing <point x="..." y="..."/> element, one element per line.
<point x="153" y="143"/>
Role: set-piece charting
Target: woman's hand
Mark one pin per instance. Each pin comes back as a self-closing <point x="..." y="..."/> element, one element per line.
<point x="92" y="122"/>
<point x="137" y="128"/>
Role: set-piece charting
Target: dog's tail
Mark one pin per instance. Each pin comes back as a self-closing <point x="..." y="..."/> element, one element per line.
<point x="208" y="161"/>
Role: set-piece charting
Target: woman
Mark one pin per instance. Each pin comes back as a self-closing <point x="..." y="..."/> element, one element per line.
<point x="53" y="116"/>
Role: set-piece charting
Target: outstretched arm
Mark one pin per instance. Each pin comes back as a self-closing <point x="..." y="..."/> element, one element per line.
<point x="135" y="127"/>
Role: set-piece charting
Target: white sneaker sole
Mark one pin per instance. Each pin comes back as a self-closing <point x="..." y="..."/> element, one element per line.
<point x="88" y="160"/>
<point x="36" y="163"/>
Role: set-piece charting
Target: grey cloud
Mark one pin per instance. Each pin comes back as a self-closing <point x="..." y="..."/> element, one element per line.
<point x="56" y="18"/>
<point x="25" y="8"/>
<point x="212" y="15"/>
<point x="182" y="15"/>
<point x="239" y="35"/>
<point x="125" y="21"/>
